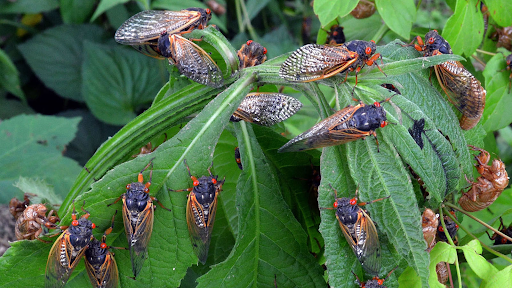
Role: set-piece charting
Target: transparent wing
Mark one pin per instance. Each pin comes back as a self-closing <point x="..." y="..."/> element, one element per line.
<point x="312" y="62"/>
<point x="61" y="261"/>
<point x="106" y="275"/>
<point x="148" y="25"/>
<point x="267" y="109"/>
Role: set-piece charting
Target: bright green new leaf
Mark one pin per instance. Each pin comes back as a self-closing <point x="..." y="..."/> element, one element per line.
<point x="398" y="15"/>
<point x="465" y="28"/>
<point x="501" y="279"/>
<point x="56" y="56"/>
<point x="499" y="10"/>
<point x="328" y="10"/>
<point x="41" y="189"/>
<point x="499" y="97"/>
<point x="442" y="252"/>
<point x="483" y="269"/>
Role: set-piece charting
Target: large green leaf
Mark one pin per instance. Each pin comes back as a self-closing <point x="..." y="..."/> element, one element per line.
<point x="269" y="242"/>
<point x="328" y="10"/>
<point x="28" y="6"/>
<point x="118" y="82"/>
<point x="9" y="76"/>
<point x="56" y="57"/>
<point x="32" y="146"/>
<point x="398" y="15"/>
<point x="499" y="10"/>
<point x="465" y="28"/>
<point x="499" y="97"/>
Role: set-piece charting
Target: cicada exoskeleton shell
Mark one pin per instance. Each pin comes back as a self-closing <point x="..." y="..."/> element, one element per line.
<point x="67" y="251"/>
<point x="346" y="125"/>
<point x="429" y="223"/>
<point x="31" y="219"/>
<point x="266" y="109"/>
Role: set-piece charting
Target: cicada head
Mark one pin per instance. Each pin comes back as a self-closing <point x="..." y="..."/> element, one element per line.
<point x="435" y="42"/>
<point x="251" y="54"/>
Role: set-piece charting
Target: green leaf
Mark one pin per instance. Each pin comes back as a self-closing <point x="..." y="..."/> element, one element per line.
<point x="116" y="79"/>
<point x="442" y="252"/>
<point x="32" y="147"/>
<point x="56" y="54"/>
<point x="500" y="279"/>
<point x="465" y="28"/>
<point x="23" y="264"/>
<point x="104" y="6"/>
<point x="12" y="107"/>
<point x="76" y="12"/>
<point x="42" y="190"/>
<point x="269" y="242"/>
<point x="398" y="15"/>
<point x="328" y="10"/>
<point x="500" y="11"/>
<point x="9" y="76"/>
<point x="478" y="264"/>
<point x="28" y="6"/>
<point x="498" y="96"/>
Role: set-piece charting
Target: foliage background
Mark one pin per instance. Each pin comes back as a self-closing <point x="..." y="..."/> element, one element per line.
<point x="66" y="87"/>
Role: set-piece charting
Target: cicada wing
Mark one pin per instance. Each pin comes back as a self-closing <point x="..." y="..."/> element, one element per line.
<point x="193" y="62"/>
<point x="148" y="25"/>
<point x="267" y="109"/>
<point x="62" y="259"/>
<point x="104" y="276"/>
<point x="149" y="50"/>
<point x="138" y="232"/>
<point x="368" y="244"/>
<point x="328" y="132"/>
<point x="463" y="90"/>
<point x="313" y="62"/>
<point x="199" y="228"/>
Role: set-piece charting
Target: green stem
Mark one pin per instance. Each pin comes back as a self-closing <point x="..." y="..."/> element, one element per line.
<point x="247" y="21"/>
<point x="378" y="35"/>
<point x="479" y="221"/>
<point x="485" y="52"/>
<point x="450" y="240"/>
<point x="239" y="17"/>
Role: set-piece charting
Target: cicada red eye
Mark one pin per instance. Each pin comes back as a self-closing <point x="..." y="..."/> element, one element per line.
<point x="195" y="183"/>
<point x="373" y="41"/>
<point x="503" y="241"/>
<point x="383" y="124"/>
<point x="335" y="204"/>
<point x="214" y="181"/>
<point x="74" y="222"/>
<point x="431" y="40"/>
<point x="441" y="229"/>
<point x="128" y="186"/>
<point x="249" y="42"/>
<point x="146" y="190"/>
<point x="368" y="50"/>
<point x="93" y="225"/>
<point x="103" y="245"/>
<point x="353" y="201"/>
<point x="208" y="11"/>
<point x="265" y="52"/>
<point x="376" y="104"/>
<point x="380" y="281"/>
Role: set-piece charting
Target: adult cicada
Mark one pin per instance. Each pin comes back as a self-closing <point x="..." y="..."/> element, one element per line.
<point x="251" y="54"/>
<point x="266" y="109"/>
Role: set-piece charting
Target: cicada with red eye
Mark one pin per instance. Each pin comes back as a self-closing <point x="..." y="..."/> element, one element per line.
<point x="100" y="263"/>
<point x="266" y="109"/>
<point x="68" y="249"/>
<point x="314" y="62"/>
<point x="509" y="68"/>
<point x="138" y="214"/>
<point x="238" y="159"/>
<point x="376" y="282"/>
<point x="335" y="35"/>
<point x="251" y="54"/>
<point x="463" y="90"/>
<point x="498" y="239"/>
<point x="451" y="227"/>
<point x="359" y="231"/>
<point x="493" y="180"/>
<point x="346" y="125"/>
<point x="201" y="209"/>
<point x="429" y="223"/>
<point x="147" y="26"/>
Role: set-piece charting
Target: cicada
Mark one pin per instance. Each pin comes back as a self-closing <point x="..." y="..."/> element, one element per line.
<point x="314" y="62"/>
<point x="238" y="159"/>
<point x="147" y="26"/>
<point x="493" y="180"/>
<point x="451" y="227"/>
<point x="266" y="109"/>
<point x="359" y="231"/>
<point x="376" y="282"/>
<point x="429" y="223"/>
<point x="417" y="130"/>
<point x="463" y="90"/>
<point x="497" y="238"/>
<point x="68" y="249"/>
<point x="30" y="219"/>
<point x="251" y="54"/>
<point x="346" y="125"/>
<point x="503" y="36"/>
<point x="100" y="263"/>
<point x="391" y="87"/>
<point x="335" y="35"/>
<point x="201" y="208"/>
<point x="442" y="272"/>
<point x="138" y="213"/>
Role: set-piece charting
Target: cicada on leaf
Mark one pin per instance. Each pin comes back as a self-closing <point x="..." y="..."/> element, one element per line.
<point x="266" y="109"/>
<point x="375" y="282"/>
<point x="138" y="215"/>
<point x="100" y="263"/>
<point x="463" y="90"/>
<point x="359" y="231"/>
<point x="346" y="125"/>
<point x="251" y="54"/>
<point x="67" y="250"/>
<point x="314" y="62"/>
<point x="201" y="209"/>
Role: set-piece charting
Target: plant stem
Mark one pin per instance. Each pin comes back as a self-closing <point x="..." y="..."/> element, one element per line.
<point x="450" y="240"/>
<point x="239" y="18"/>
<point x="479" y="221"/>
<point x="485" y="52"/>
<point x="247" y="21"/>
<point x="378" y="35"/>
